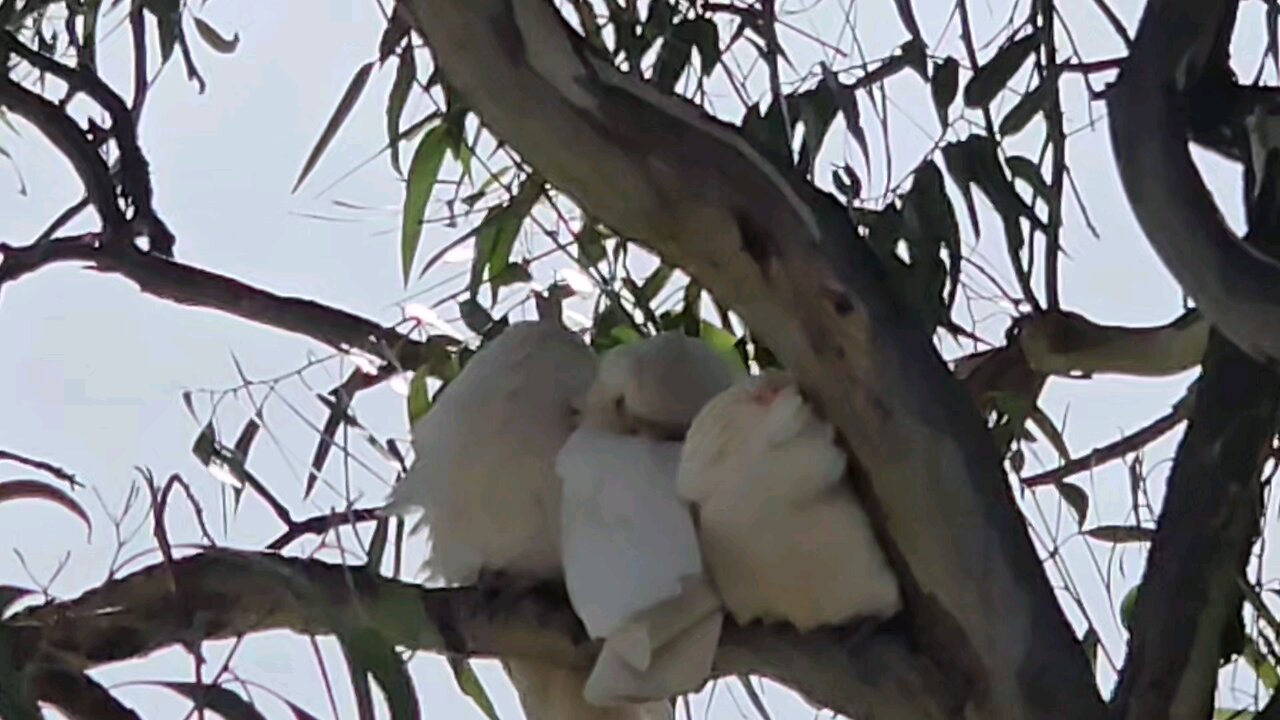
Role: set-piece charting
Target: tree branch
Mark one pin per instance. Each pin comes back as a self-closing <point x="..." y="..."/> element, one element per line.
<point x="225" y="594"/>
<point x="1179" y="45"/>
<point x="1189" y="597"/>
<point x="785" y="256"/>
<point x="176" y="282"/>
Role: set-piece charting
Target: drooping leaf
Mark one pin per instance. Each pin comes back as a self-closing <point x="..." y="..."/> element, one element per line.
<point x="992" y="77"/>
<point x="497" y="233"/>
<point x="1025" y="110"/>
<point x="214" y="39"/>
<point x="11" y="490"/>
<point x="424" y="169"/>
<point x="590" y="244"/>
<point x="1028" y="171"/>
<point x="907" y="15"/>
<point x="1121" y="534"/>
<point x="406" y="71"/>
<point x="214" y="697"/>
<point x="846" y="99"/>
<point x="673" y="60"/>
<point x="702" y="34"/>
<point x="368" y="655"/>
<point x="1076" y="498"/>
<point x="419" y="401"/>
<point x="470" y="685"/>
<point x="1126" y="607"/>
<point x="346" y="104"/>
<point x="943" y="86"/>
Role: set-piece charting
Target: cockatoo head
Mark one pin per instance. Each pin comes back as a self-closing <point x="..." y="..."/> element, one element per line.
<point x="656" y="386"/>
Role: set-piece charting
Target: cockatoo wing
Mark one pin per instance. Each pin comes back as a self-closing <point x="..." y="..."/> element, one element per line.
<point x="681" y="665"/>
<point x="550" y="692"/>
<point x="628" y="541"/>
<point x="647" y="634"/>
<point x="784" y="539"/>
<point x="484" y="474"/>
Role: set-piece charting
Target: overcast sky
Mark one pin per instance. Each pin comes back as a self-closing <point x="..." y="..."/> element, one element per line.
<point x="93" y="370"/>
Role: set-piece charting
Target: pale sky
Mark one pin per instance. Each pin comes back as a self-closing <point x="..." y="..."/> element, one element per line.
<point x="94" y="370"/>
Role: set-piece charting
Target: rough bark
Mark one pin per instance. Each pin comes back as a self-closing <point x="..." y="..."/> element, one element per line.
<point x="785" y="256"/>
<point x="223" y="594"/>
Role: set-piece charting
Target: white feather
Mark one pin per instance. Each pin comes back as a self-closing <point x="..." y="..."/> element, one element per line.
<point x="484" y="474"/>
<point x="783" y="537"/>
<point x="632" y="561"/>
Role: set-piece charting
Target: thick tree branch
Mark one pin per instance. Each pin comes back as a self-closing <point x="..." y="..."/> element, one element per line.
<point x="786" y="257"/>
<point x="1066" y="343"/>
<point x="1210" y="518"/>
<point x="186" y="285"/>
<point x="1179" y="45"/>
<point x="224" y="594"/>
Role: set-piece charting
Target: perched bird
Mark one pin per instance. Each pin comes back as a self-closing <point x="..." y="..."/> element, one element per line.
<point x="484" y="472"/>
<point x="484" y="479"/>
<point x="632" y="563"/>
<point x="783" y="537"/>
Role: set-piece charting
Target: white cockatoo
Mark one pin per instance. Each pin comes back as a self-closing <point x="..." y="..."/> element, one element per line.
<point x="783" y="536"/>
<point x="485" y="481"/>
<point x="484" y="472"/>
<point x="632" y="562"/>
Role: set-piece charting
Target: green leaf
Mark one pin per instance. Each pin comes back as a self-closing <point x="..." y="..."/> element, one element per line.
<point x="1076" y="498"/>
<point x="469" y="683"/>
<point x="369" y="654"/>
<point x="419" y="401"/>
<point x="943" y="86"/>
<point x="1262" y="667"/>
<point x="406" y="71"/>
<point x="724" y="343"/>
<point x="1090" y="643"/>
<point x="702" y="34"/>
<point x="590" y="244"/>
<point x="346" y="104"/>
<point x="40" y="490"/>
<point x="216" y="698"/>
<point x="1121" y="534"/>
<point x="424" y="169"/>
<point x="1028" y="171"/>
<point x="1025" y="110"/>
<point x="673" y="59"/>
<point x="168" y="15"/>
<point x="989" y="79"/>
<point x="497" y="233"/>
<point x="474" y="316"/>
<point x="1127" y="605"/>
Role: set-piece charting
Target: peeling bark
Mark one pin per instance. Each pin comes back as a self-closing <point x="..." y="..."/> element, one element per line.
<point x="785" y="256"/>
<point x="223" y="594"/>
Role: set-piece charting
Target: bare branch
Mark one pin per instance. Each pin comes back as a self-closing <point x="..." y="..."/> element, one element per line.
<point x="1130" y="443"/>
<point x="186" y="285"/>
<point x="35" y="464"/>
<point x="227" y="594"/>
